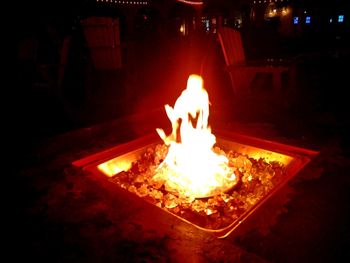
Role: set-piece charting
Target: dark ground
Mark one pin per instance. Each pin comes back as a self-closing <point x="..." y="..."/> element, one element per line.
<point x="63" y="218"/>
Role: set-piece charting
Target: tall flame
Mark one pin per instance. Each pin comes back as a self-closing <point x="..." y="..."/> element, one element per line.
<point x="191" y="167"/>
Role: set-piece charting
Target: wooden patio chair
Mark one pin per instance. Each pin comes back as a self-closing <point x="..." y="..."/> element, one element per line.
<point x="103" y="39"/>
<point x="243" y="72"/>
<point x="50" y="75"/>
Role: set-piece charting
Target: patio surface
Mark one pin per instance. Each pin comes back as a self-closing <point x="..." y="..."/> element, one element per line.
<point x="60" y="216"/>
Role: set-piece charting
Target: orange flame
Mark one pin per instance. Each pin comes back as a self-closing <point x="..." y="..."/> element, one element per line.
<point x="191" y="167"/>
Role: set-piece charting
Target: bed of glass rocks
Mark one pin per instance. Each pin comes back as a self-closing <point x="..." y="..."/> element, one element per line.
<point x="256" y="178"/>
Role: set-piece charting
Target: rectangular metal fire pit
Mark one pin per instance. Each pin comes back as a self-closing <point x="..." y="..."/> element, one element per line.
<point x="121" y="158"/>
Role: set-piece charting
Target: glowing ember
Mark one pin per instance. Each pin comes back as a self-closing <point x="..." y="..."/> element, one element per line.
<point x="191" y="167"/>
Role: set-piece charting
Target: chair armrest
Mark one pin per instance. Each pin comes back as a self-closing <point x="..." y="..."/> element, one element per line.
<point x="274" y="62"/>
<point x="255" y="69"/>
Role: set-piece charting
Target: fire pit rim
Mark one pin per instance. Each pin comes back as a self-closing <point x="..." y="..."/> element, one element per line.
<point x="301" y="157"/>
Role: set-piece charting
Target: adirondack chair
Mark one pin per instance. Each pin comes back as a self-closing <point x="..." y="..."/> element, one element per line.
<point x="243" y="72"/>
<point x="50" y="75"/>
<point x="103" y="39"/>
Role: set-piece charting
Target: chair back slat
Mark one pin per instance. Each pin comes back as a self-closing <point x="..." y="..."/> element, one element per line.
<point x="103" y="39"/>
<point x="232" y="45"/>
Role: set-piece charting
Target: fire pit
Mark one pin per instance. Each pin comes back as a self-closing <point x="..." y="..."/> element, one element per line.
<point x="213" y="183"/>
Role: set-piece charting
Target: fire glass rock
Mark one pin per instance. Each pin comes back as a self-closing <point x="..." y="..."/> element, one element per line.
<point x="257" y="178"/>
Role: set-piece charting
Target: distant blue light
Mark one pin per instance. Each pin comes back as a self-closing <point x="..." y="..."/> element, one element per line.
<point x="307" y="19"/>
<point x="295" y="20"/>
<point x="341" y="18"/>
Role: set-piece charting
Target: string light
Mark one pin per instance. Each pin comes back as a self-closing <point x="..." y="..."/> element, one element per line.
<point x="260" y="1"/>
<point x="124" y="2"/>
